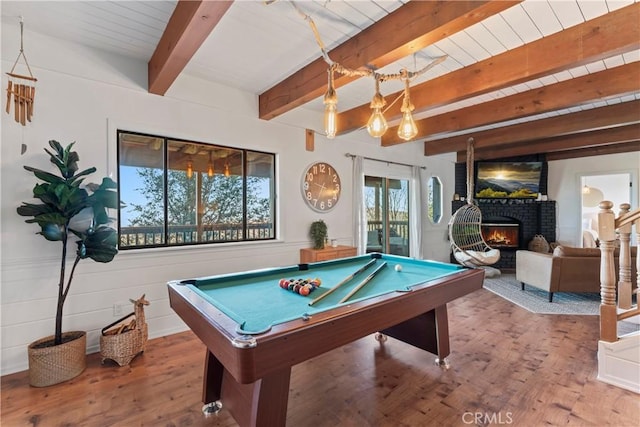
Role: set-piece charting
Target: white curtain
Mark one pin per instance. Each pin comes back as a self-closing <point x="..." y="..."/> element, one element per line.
<point x="417" y="200"/>
<point x="359" y="214"/>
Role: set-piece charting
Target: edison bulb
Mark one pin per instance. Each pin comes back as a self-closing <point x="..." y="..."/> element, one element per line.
<point x="377" y="124"/>
<point x="330" y="119"/>
<point x="407" y="129"/>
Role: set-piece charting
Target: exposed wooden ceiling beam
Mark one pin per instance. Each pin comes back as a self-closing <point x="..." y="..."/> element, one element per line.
<point x="565" y="145"/>
<point x="595" y="118"/>
<point x="611" y="34"/>
<point x="191" y="23"/>
<point x="625" y="147"/>
<point x="408" y="29"/>
<point x="618" y="81"/>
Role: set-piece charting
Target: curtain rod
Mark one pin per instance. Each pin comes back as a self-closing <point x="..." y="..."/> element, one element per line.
<point x="384" y="161"/>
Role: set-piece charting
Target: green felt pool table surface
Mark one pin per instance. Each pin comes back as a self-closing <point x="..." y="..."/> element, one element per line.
<point x="256" y="301"/>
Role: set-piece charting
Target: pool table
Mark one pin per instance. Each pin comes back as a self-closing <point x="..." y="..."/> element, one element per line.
<point x="255" y="330"/>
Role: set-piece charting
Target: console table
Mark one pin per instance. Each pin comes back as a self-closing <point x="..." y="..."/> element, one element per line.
<point x="329" y="252"/>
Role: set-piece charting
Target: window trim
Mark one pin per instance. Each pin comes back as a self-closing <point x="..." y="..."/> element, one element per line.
<point x="118" y="130"/>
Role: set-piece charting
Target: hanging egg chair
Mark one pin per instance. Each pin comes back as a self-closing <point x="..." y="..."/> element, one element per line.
<point x="465" y="228"/>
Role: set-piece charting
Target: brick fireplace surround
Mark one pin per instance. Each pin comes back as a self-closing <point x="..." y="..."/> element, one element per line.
<point x="534" y="217"/>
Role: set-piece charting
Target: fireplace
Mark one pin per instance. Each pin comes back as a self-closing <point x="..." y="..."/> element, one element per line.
<point x="532" y="217"/>
<point x="501" y="235"/>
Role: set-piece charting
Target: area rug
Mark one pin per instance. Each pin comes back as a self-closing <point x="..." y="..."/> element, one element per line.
<point x="537" y="301"/>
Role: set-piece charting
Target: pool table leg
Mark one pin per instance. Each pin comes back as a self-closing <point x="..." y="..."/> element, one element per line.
<point x="428" y="331"/>
<point x="212" y="379"/>
<point x="442" y="334"/>
<point x="262" y="403"/>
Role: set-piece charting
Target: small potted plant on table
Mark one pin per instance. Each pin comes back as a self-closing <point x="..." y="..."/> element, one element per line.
<point x="318" y="233"/>
<point x="68" y="213"/>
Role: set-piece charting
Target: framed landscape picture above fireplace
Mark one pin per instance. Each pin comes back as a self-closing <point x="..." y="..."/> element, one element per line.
<point x="508" y="180"/>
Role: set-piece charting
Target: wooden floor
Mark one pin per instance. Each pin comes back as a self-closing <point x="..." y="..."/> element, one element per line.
<point x="508" y="367"/>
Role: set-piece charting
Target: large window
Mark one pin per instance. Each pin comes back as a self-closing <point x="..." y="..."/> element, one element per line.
<point x="175" y="192"/>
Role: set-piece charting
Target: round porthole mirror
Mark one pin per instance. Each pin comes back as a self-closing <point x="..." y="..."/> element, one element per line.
<point x="434" y="200"/>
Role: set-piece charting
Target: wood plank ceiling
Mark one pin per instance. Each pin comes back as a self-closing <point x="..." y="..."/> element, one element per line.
<point x="522" y="77"/>
<point x="546" y="114"/>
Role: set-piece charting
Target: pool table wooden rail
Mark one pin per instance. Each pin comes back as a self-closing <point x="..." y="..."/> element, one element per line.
<point x="245" y="378"/>
<point x="322" y="332"/>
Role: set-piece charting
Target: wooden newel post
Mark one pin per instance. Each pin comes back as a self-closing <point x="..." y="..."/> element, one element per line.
<point x="607" y="235"/>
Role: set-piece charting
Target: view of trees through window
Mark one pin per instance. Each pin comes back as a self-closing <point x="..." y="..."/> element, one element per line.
<point x="387" y="207"/>
<point x="205" y="193"/>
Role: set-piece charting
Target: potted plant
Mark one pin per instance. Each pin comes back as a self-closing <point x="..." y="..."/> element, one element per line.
<point x="68" y="212"/>
<point x="318" y="233"/>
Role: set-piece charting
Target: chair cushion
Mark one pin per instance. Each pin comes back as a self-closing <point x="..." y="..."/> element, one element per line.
<point x="472" y="258"/>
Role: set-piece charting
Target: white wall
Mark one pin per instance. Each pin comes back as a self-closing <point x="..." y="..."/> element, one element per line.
<point x="565" y="187"/>
<point x="83" y="95"/>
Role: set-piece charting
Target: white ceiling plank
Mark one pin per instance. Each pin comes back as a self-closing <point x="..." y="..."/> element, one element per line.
<point x="594" y="67"/>
<point x="470" y="46"/>
<point x="520" y="22"/>
<point x="567" y="12"/>
<point x="631" y="56"/>
<point x="562" y="76"/>
<point x="593" y="8"/>
<point x="618" y="4"/>
<point x="502" y="31"/>
<point x="543" y="17"/>
<point x="579" y="71"/>
<point x="455" y="52"/>
<point x="480" y="34"/>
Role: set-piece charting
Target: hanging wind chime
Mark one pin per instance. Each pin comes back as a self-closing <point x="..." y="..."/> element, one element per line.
<point x="23" y="88"/>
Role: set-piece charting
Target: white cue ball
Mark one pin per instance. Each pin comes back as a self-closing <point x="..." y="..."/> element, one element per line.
<point x="398" y="267"/>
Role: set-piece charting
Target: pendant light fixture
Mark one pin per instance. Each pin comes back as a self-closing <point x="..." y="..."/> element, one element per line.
<point x="210" y="167"/>
<point x="407" y="129"/>
<point x="331" y="108"/>
<point x="377" y="124"/>
<point x="189" y="169"/>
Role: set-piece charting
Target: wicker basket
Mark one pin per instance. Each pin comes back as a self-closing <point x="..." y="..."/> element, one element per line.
<point x="539" y="244"/>
<point x="122" y="348"/>
<point x="49" y="365"/>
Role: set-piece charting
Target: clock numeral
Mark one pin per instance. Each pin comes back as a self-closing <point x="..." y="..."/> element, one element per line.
<point x="321" y="205"/>
<point x="309" y="176"/>
<point x="329" y="203"/>
<point x="306" y="186"/>
<point x="309" y="195"/>
<point x="322" y="167"/>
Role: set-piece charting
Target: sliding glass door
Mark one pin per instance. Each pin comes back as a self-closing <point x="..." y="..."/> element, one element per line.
<point x="387" y="206"/>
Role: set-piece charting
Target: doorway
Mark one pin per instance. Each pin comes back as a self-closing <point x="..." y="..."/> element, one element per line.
<point x="615" y="187"/>
<point x="387" y="209"/>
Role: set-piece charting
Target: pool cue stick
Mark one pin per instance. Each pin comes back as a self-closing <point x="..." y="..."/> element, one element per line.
<point x="345" y="280"/>
<point x="364" y="282"/>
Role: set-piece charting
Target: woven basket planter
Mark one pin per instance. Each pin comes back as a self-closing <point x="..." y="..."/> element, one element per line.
<point x="122" y="348"/>
<point x="49" y="365"/>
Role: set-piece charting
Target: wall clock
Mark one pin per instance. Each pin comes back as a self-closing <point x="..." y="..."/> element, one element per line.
<point x="321" y="187"/>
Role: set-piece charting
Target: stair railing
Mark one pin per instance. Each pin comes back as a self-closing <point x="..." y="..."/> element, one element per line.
<point x="611" y="232"/>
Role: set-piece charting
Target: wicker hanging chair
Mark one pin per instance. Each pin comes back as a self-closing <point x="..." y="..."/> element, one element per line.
<point x="465" y="233"/>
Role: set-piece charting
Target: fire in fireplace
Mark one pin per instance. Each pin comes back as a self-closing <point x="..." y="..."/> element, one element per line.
<point x="501" y="235"/>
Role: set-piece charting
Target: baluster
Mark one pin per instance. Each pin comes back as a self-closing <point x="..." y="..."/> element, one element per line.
<point x="624" y="279"/>
<point x="608" y="310"/>
<point x="637" y="278"/>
